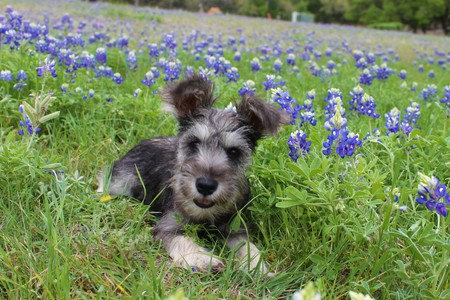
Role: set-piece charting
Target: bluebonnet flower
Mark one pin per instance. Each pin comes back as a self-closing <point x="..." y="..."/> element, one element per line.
<point x="205" y="73"/>
<point x="269" y="83"/>
<point x="346" y="142"/>
<point x="277" y="65"/>
<point x="122" y="42"/>
<point x="87" y="60"/>
<point x="433" y="194"/>
<point x="103" y="71"/>
<point x="6" y="75"/>
<point x="382" y="72"/>
<point x="100" y="55"/>
<point x="172" y="70"/>
<point x="64" y="87"/>
<point x="27" y="123"/>
<point x="189" y="71"/>
<point x="370" y="58"/>
<point x="357" y="54"/>
<point x="367" y="106"/>
<point x="248" y="88"/>
<point x="311" y="94"/>
<point x="414" y="86"/>
<point x="420" y="68"/>
<point x="361" y="63"/>
<point x="153" y="50"/>
<point x="307" y="116"/>
<point x="429" y="92"/>
<point x="402" y="74"/>
<point x="237" y="56"/>
<point x="392" y="121"/>
<point x="431" y="74"/>
<point x="255" y="65"/>
<point x="298" y="145"/>
<point x="283" y="98"/>
<point x="48" y="66"/>
<point x="357" y="94"/>
<point x="412" y="113"/>
<point x="366" y="77"/>
<point x="132" y="60"/>
<point x="446" y="99"/>
<point x="91" y="93"/>
<point x="137" y="92"/>
<point x="232" y="74"/>
<point x="149" y="79"/>
<point x="406" y="127"/>
<point x="117" y="78"/>
<point x="290" y="60"/>
<point x="169" y="41"/>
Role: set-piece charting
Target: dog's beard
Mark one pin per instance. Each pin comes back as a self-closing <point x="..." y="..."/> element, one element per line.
<point x="223" y="201"/>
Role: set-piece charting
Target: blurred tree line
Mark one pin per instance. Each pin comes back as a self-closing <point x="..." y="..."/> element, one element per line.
<point x="417" y="15"/>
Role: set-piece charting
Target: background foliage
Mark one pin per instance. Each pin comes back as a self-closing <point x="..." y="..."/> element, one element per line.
<point x="415" y="14"/>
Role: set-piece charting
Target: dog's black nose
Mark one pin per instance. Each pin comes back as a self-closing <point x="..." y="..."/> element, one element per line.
<point x="206" y="186"/>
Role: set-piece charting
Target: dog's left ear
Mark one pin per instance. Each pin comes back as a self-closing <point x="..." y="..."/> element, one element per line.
<point x="264" y="117"/>
<point x="185" y="97"/>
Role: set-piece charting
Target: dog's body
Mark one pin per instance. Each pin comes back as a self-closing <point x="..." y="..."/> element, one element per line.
<point x="199" y="175"/>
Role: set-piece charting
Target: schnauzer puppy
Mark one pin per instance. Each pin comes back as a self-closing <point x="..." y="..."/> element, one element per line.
<point x="198" y="176"/>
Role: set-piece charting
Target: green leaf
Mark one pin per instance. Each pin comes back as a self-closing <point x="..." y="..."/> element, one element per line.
<point x="49" y="117"/>
<point x="294" y="197"/>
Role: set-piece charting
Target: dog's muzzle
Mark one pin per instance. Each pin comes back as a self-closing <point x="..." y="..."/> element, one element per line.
<point x="205" y="186"/>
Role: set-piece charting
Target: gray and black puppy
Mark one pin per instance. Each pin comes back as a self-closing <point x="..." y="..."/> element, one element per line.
<point x="198" y="176"/>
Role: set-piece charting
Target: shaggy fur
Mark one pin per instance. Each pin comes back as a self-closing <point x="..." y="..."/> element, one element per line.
<point x="198" y="176"/>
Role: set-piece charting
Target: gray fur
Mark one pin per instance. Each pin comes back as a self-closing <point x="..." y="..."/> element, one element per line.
<point x="199" y="175"/>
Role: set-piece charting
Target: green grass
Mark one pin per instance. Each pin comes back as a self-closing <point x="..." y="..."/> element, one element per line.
<point x="324" y="219"/>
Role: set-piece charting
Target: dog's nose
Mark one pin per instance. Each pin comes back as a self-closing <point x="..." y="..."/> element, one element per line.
<point x="206" y="186"/>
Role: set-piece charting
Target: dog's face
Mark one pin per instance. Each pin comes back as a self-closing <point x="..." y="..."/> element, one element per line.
<point x="214" y="148"/>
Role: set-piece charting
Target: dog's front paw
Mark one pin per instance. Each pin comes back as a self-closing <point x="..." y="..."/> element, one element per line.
<point x="200" y="261"/>
<point x="187" y="254"/>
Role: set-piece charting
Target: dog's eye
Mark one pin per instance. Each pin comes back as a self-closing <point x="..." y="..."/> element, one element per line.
<point x="233" y="153"/>
<point x="193" y="145"/>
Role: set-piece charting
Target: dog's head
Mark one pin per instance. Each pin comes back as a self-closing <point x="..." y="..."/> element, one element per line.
<point x="214" y="147"/>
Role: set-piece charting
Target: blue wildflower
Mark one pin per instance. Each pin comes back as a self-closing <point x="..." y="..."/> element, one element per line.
<point x="298" y="145"/>
<point x="47" y="67"/>
<point x="402" y="74"/>
<point x="232" y="74"/>
<point x="277" y="65"/>
<point x="429" y="92"/>
<point x="6" y="75"/>
<point x="433" y="194"/>
<point x="172" y="70"/>
<point x="392" y="121"/>
<point x="366" y="77"/>
<point x="132" y="60"/>
<point x="255" y="65"/>
<point x="237" y="56"/>
<point x="117" y="78"/>
<point x="137" y="92"/>
<point x="27" y="123"/>
<point x="290" y="60"/>
<point x="149" y="78"/>
<point x="100" y="55"/>
<point x="269" y="83"/>
<point x="446" y="99"/>
<point x="248" y="88"/>
<point x="153" y="50"/>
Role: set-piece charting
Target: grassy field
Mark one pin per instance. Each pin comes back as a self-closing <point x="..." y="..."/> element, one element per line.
<point x="352" y="223"/>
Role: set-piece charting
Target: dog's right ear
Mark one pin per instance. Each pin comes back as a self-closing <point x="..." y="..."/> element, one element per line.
<point x="187" y="96"/>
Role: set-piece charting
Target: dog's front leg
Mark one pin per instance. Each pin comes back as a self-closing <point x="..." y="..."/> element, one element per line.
<point x="247" y="253"/>
<point x="182" y="249"/>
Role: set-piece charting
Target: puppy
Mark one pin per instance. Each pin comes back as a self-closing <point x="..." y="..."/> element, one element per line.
<point x="198" y="176"/>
